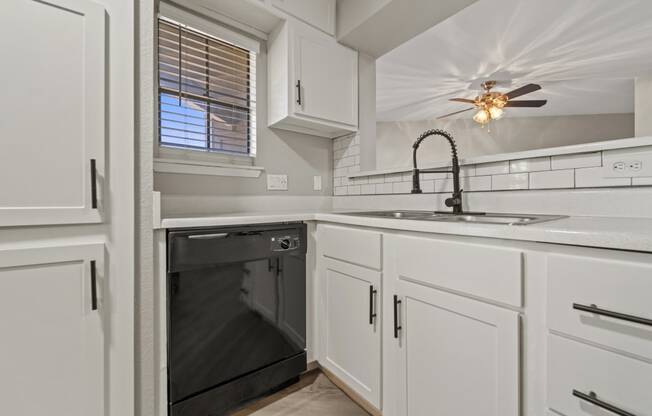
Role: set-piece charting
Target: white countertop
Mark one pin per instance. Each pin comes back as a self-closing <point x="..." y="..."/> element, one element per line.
<point x="615" y="233"/>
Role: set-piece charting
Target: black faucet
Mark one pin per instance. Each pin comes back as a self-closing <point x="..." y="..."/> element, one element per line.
<point x="455" y="201"/>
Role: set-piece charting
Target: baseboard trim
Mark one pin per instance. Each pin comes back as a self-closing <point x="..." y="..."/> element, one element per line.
<point x="370" y="408"/>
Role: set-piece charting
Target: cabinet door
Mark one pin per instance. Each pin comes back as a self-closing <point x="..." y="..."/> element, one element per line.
<point x="455" y="356"/>
<point x="326" y="78"/>
<point x="319" y="13"/>
<point x="52" y="349"/>
<point x="52" y="110"/>
<point x="350" y="338"/>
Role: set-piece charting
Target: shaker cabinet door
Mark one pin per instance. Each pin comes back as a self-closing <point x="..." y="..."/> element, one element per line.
<point x="454" y="355"/>
<point x="326" y="84"/>
<point x="350" y="339"/>
<point x="52" y="348"/>
<point x="53" y="110"/>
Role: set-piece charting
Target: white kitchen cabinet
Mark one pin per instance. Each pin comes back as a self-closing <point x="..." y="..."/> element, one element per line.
<point x="353" y="245"/>
<point x="575" y="370"/>
<point x="453" y="355"/>
<point x="52" y="351"/>
<point x="350" y="340"/>
<point x="444" y="354"/>
<point x="598" y="297"/>
<point x="312" y="82"/>
<point x="319" y="13"/>
<point x="52" y="108"/>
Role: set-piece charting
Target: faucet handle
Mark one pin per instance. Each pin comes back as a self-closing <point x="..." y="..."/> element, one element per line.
<point x="455" y="200"/>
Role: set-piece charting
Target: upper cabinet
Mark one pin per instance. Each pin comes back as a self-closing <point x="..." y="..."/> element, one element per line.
<point x="313" y="82"/>
<point x="53" y="111"/>
<point x="319" y="13"/>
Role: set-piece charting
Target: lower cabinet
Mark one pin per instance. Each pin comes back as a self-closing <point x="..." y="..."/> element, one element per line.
<point x="52" y="334"/>
<point x="350" y="338"/>
<point x="452" y="355"/>
<point x="474" y="326"/>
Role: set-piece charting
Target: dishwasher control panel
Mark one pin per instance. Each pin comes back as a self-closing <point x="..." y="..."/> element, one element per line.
<point x="285" y="242"/>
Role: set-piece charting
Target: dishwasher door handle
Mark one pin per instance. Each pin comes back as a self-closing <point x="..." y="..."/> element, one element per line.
<point x="208" y="236"/>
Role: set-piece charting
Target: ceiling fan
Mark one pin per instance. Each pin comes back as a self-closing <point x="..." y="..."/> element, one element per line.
<point x="490" y="104"/>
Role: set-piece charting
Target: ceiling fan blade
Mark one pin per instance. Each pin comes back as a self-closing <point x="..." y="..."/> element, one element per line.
<point x="526" y="103"/>
<point x="456" y="112"/>
<point x="525" y="89"/>
<point x="463" y="100"/>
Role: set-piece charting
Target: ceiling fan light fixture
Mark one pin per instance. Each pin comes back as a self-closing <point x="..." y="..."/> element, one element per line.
<point x="482" y="116"/>
<point x="496" y="113"/>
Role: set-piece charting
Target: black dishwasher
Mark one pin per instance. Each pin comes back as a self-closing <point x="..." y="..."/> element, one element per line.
<point x="236" y="315"/>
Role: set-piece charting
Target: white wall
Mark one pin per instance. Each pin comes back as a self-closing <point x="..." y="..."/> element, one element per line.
<point x="394" y="139"/>
<point x="146" y="121"/>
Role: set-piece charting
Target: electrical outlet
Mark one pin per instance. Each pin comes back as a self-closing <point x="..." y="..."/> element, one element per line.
<point x="623" y="163"/>
<point x="619" y="166"/>
<point x="635" y="165"/>
<point x="277" y="182"/>
<point x="316" y="183"/>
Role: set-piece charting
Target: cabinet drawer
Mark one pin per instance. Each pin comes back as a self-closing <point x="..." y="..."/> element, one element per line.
<point x="616" y="380"/>
<point x="612" y="286"/>
<point x="486" y="271"/>
<point x="352" y="245"/>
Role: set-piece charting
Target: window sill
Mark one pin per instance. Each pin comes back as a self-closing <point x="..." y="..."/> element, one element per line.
<point x="193" y="167"/>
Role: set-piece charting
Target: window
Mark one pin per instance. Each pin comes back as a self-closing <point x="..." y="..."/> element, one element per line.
<point x="207" y="92"/>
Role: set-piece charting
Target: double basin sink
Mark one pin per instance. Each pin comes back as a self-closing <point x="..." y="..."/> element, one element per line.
<point x="479" y="218"/>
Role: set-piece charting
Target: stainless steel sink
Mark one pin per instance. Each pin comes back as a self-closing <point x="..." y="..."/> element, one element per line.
<point x="488" y="218"/>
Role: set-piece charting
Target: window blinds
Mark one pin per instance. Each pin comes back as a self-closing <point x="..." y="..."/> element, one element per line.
<point x="207" y="92"/>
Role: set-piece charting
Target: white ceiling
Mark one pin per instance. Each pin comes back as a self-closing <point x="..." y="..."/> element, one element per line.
<point x="584" y="53"/>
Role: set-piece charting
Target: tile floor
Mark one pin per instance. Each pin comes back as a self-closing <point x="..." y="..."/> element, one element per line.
<point x="313" y="395"/>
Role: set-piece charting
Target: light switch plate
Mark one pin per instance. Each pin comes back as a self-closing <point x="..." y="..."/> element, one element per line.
<point x="316" y="183"/>
<point x="277" y="182"/>
<point x="627" y="163"/>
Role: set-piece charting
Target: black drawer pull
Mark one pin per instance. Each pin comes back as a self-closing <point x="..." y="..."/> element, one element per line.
<point x="372" y="312"/>
<point x="299" y="101"/>
<point x="93" y="185"/>
<point x="593" y="399"/>
<point x="617" y="315"/>
<point x="93" y="286"/>
<point x="397" y="327"/>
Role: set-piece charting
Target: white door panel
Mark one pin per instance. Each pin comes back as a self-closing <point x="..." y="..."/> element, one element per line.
<point x="52" y="349"/>
<point x="327" y="72"/>
<point x="455" y="355"/>
<point x="52" y="110"/>
<point x="351" y="336"/>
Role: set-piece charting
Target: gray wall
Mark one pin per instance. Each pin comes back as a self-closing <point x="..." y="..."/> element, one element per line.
<point x="300" y="156"/>
<point x="643" y="105"/>
<point x="393" y="146"/>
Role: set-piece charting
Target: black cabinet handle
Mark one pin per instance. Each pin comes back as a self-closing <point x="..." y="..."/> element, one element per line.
<point x="299" y="101"/>
<point x="93" y="286"/>
<point x="593" y="399"/>
<point x="617" y="315"/>
<point x="93" y="185"/>
<point x="397" y="327"/>
<point x="372" y="313"/>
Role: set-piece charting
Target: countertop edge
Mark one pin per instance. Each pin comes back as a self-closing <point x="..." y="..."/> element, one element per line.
<point x="597" y="232"/>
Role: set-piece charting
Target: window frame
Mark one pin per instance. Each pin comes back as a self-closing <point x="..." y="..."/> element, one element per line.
<point x="215" y="29"/>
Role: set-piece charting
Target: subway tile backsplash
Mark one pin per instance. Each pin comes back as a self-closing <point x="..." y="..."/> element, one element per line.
<point x="582" y="170"/>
